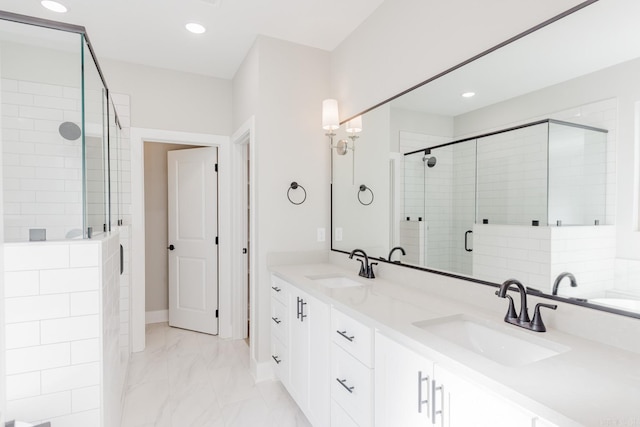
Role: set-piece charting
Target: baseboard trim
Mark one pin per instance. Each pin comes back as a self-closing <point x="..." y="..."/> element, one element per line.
<point x="262" y="371"/>
<point x="157" y="316"/>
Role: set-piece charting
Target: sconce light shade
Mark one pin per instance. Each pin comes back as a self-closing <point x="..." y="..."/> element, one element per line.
<point x="330" y="119"/>
<point x="355" y="125"/>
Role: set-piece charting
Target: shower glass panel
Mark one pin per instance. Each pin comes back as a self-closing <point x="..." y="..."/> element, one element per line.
<point x="439" y="207"/>
<point x="512" y="177"/>
<point x="577" y="175"/>
<point x="54" y="132"/>
<point x="96" y="191"/>
<point x="115" y="162"/>
<point x="41" y="125"/>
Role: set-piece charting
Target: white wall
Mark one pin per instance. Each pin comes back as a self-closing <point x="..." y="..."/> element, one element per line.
<point x="404" y="42"/>
<point x="370" y="167"/>
<point x="172" y="100"/>
<point x="290" y="145"/>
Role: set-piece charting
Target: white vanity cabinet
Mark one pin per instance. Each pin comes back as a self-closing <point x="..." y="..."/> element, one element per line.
<point x="411" y="390"/>
<point x="304" y="369"/>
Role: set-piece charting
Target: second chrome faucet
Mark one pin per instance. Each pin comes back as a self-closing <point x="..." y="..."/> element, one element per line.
<point x="522" y="319"/>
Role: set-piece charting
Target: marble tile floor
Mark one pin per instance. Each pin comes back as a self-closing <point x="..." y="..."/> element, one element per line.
<point x="188" y="379"/>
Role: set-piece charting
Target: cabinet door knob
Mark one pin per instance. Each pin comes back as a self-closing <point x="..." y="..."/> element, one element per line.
<point x="171" y="247"/>
<point x="275" y="288"/>
<point x="278" y="361"/>
<point x="275" y="319"/>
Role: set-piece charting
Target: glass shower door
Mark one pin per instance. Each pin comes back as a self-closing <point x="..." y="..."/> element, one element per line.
<point x="96" y="155"/>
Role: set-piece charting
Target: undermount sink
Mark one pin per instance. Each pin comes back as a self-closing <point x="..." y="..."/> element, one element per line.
<point x="492" y="341"/>
<point x="334" y="281"/>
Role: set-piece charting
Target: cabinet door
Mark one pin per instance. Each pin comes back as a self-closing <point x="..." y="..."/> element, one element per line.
<point x="402" y="385"/>
<point x="459" y="403"/>
<point x="319" y="368"/>
<point x="299" y="341"/>
<point x="309" y="356"/>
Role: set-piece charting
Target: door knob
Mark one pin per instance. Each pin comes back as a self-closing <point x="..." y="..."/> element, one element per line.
<point x="171" y="247"/>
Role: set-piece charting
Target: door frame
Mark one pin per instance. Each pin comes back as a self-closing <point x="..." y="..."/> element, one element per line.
<point x="240" y="138"/>
<point x="225" y="225"/>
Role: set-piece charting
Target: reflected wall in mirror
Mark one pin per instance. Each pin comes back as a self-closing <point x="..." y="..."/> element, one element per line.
<point x="529" y="178"/>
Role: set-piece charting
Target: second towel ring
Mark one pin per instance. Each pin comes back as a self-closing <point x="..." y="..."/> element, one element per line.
<point x="362" y="189"/>
<point x="294" y="186"/>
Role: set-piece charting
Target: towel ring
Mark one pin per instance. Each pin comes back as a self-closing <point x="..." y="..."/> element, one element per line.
<point x="294" y="186"/>
<point x="364" y="188"/>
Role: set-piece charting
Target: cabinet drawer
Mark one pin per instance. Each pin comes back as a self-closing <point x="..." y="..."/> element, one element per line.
<point x="280" y="359"/>
<point x="339" y="418"/>
<point x="279" y="289"/>
<point x="352" y="336"/>
<point x="279" y="320"/>
<point x="352" y="386"/>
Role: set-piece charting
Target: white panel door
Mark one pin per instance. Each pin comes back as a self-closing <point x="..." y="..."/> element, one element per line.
<point x="193" y="229"/>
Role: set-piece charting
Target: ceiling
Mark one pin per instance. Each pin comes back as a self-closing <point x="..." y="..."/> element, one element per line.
<point x="152" y="32"/>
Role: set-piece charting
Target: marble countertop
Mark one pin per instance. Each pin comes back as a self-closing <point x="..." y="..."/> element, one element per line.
<point x="591" y="384"/>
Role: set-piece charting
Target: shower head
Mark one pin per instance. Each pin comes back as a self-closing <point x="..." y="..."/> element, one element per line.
<point x="430" y="160"/>
<point x="69" y="131"/>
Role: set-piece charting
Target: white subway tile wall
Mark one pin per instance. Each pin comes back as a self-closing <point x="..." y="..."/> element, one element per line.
<point x="412" y="240"/>
<point x="512" y="176"/>
<point x="428" y="197"/>
<point x="63" y="332"/>
<point x="537" y="255"/>
<point x="40" y="167"/>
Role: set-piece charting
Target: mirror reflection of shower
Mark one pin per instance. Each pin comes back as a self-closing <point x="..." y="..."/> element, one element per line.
<point x="429" y="160"/>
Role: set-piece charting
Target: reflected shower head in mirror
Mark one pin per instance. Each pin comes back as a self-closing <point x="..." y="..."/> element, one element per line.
<point x="69" y="131"/>
<point x="430" y="160"/>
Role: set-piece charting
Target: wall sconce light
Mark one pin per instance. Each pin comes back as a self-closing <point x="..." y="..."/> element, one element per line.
<point x="331" y="122"/>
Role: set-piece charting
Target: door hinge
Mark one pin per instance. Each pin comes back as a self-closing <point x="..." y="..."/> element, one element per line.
<point x="216" y="314"/>
<point x="216" y="167"/>
<point x="216" y="240"/>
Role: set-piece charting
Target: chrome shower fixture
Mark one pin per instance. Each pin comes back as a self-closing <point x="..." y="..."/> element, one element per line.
<point x="430" y="160"/>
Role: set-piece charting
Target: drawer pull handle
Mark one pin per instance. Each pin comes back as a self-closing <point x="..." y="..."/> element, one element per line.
<point x="301" y="305"/>
<point x="345" y="336"/>
<point x="275" y="288"/>
<point x="276" y="359"/>
<point x="435" y="413"/>
<point x="275" y="319"/>
<point x="343" y="384"/>
<point x="422" y="401"/>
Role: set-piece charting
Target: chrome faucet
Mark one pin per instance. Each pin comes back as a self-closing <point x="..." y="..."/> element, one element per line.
<point x="397" y="248"/>
<point x="561" y="276"/>
<point x="366" y="269"/>
<point x="522" y="319"/>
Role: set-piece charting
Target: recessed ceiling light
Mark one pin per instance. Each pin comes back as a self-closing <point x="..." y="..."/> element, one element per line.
<point x="54" y="6"/>
<point x="195" y="28"/>
<point x="468" y="94"/>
